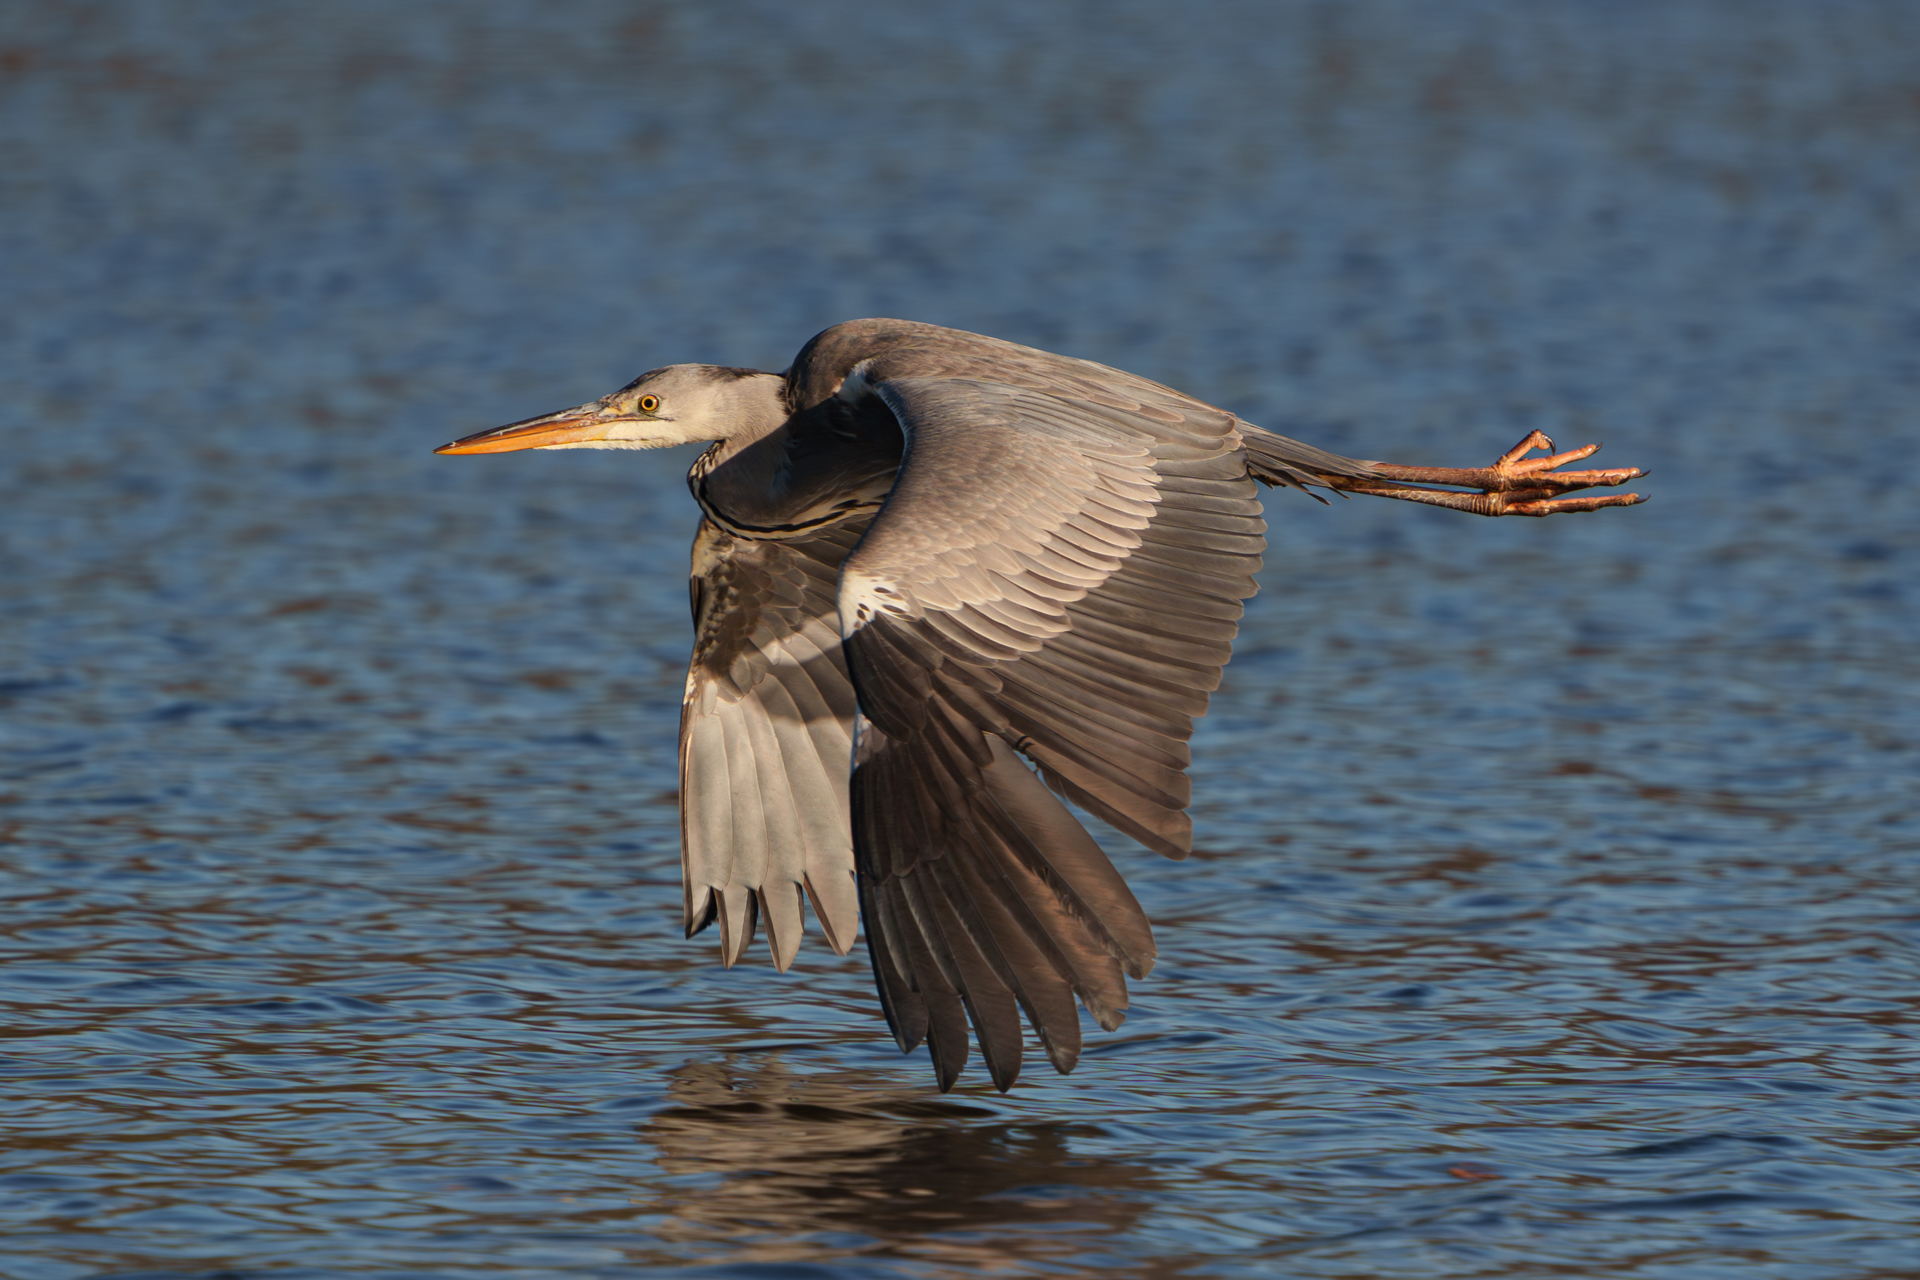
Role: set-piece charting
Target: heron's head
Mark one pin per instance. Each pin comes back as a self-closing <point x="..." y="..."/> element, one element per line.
<point x="680" y="404"/>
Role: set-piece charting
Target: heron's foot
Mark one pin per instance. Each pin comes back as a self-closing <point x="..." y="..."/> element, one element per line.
<point x="1516" y="485"/>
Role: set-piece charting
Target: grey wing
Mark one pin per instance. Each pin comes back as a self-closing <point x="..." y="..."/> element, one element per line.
<point x="1056" y="577"/>
<point x="766" y="735"/>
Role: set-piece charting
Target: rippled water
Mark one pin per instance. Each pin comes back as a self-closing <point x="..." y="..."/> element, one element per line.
<point x="1555" y="910"/>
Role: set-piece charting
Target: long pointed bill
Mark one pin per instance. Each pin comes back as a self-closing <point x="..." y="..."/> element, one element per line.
<point x="569" y="426"/>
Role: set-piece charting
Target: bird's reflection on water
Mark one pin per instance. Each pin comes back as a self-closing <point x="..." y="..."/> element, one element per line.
<point x="809" y="1158"/>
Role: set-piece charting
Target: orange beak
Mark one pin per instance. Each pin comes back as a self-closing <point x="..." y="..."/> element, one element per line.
<point x="569" y="426"/>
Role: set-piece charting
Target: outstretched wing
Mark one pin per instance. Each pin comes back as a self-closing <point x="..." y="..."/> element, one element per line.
<point x="1057" y="574"/>
<point x="766" y="737"/>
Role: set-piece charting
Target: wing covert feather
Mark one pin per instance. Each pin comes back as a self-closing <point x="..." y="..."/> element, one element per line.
<point x="1056" y="576"/>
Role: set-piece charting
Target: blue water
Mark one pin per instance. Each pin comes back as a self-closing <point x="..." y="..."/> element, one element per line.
<point x="1555" y="908"/>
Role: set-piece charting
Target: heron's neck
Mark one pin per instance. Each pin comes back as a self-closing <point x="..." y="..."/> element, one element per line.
<point x="788" y="474"/>
<point x="734" y="479"/>
<point x="750" y="410"/>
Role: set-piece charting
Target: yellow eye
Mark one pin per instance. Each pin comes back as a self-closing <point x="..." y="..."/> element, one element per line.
<point x="649" y="403"/>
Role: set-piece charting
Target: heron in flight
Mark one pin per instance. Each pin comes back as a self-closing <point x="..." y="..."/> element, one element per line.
<point x="941" y="582"/>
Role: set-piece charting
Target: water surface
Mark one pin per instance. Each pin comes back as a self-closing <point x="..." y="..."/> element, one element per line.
<point x="1554" y="904"/>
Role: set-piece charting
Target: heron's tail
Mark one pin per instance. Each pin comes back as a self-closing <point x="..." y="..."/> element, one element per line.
<point x="1276" y="460"/>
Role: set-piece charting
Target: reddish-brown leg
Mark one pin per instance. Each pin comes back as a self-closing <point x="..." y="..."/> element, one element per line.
<point x="1516" y="485"/>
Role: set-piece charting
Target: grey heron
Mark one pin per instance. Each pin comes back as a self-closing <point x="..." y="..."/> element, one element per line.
<point x="941" y="582"/>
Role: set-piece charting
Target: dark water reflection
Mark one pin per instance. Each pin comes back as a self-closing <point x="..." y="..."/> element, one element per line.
<point x="1554" y="910"/>
<point x="809" y="1160"/>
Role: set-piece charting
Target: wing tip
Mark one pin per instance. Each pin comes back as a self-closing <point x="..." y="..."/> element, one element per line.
<point x="839" y="920"/>
<point x="785" y="925"/>
<point x="736" y="923"/>
<point x="699" y="914"/>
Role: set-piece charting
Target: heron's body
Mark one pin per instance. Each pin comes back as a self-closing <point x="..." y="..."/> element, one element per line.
<point x="928" y="560"/>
